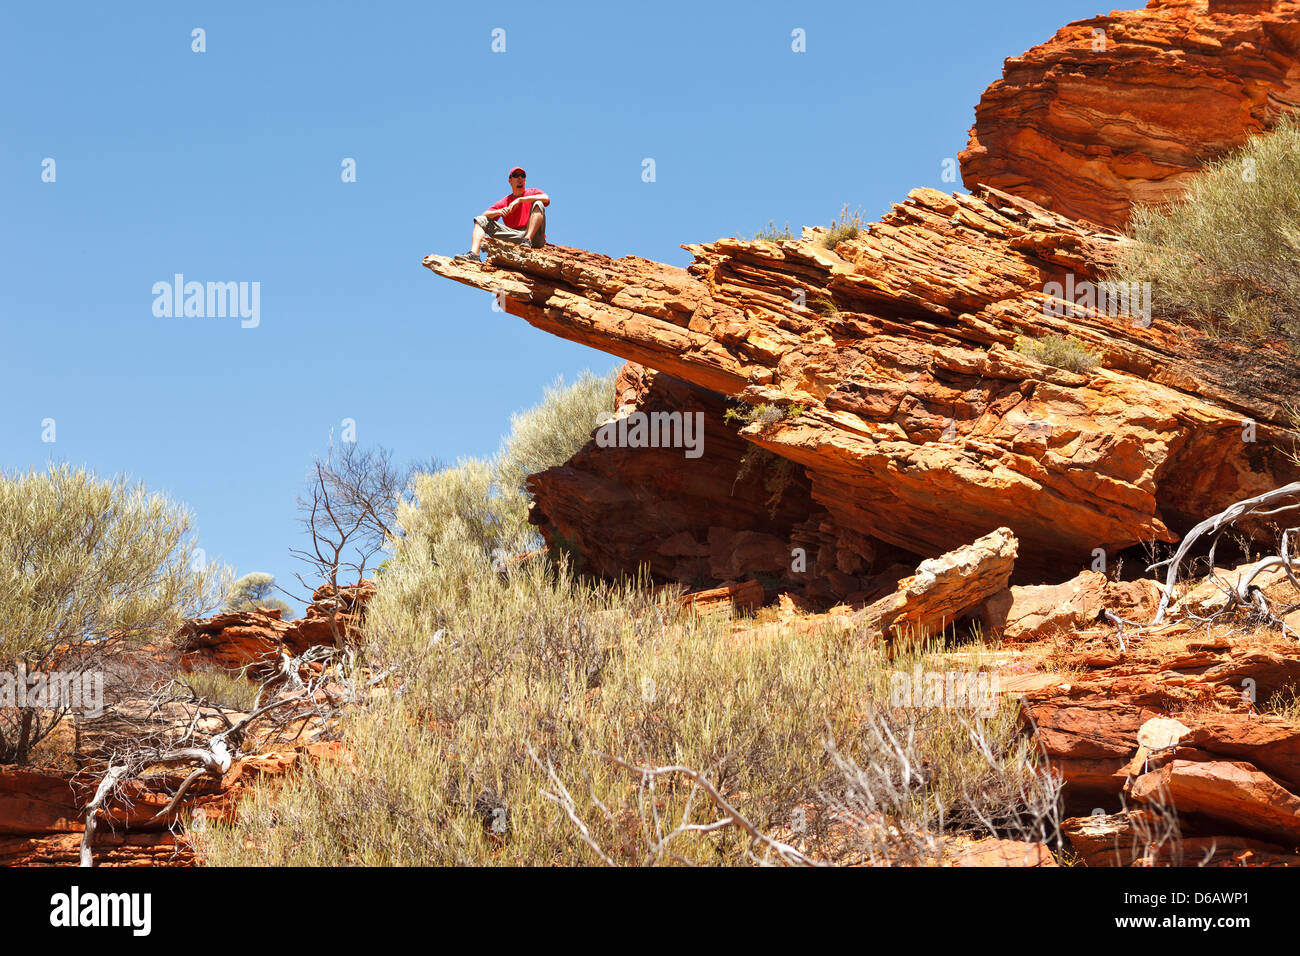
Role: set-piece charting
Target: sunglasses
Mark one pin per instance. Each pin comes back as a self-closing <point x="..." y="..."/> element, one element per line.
<point x="518" y="176"/>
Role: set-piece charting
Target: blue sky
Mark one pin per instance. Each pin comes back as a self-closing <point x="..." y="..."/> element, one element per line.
<point x="225" y="165"/>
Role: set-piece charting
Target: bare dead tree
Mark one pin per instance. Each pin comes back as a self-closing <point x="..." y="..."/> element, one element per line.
<point x="349" y="514"/>
<point x="1243" y="593"/>
<point x="174" y="727"/>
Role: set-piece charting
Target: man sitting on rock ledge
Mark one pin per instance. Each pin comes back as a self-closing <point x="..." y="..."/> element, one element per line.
<point x="519" y="217"/>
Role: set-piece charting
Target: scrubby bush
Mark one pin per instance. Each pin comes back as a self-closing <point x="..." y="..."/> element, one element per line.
<point x="826" y="307"/>
<point x="516" y="692"/>
<point x="552" y="431"/>
<point x="1224" y="255"/>
<point x="516" y="688"/>
<point x="89" y="567"/>
<point x="764" y="413"/>
<point x="1061" y="351"/>
<point x="255" y="590"/>
<point x="219" y="687"/>
<point x="847" y="226"/>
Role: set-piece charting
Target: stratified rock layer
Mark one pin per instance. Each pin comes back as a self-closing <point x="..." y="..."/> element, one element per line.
<point x="256" y="638"/>
<point x="1126" y="107"/>
<point x="915" y="424"/>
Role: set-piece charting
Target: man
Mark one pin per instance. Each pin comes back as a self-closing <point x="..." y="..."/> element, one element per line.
<point x="519" y="217"/>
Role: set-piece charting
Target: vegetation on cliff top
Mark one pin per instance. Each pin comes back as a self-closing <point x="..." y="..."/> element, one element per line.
<point x="1224" y="255"/>
<point x="1062" y="351"/>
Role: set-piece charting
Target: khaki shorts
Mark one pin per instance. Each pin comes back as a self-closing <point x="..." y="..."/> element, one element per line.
<point x="496" y="229"/>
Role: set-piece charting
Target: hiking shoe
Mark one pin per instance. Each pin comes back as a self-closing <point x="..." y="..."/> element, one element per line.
<point x="467" y="257"/>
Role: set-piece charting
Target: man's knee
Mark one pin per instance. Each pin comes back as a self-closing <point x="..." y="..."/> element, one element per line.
<point x="539" y="208"/>
<point x="481" y="222"/>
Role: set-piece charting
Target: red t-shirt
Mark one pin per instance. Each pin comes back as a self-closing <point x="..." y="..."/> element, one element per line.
<point x="517" y="218"/>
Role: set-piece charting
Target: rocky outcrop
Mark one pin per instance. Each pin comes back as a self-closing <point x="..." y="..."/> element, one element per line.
<point x="256" y="638"/>
<point x="1126" y="107"/>
<point x="893" y="387"/>
<point x="1141" y="838"/>
<point x="1231" y="792"/>
<point x="1179" y="750"/>
<point x="1090" y="725"/>
<point x="745" y="596"/>
<point x="42" y="809"/>
<point x="1037" y="611"/>
<point x="42" y="812"/>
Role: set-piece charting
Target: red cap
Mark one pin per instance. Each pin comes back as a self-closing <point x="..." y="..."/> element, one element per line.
<point x="516" y="169"/>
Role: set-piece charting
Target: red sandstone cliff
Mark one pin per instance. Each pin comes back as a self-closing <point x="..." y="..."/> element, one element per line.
<point x="916" y="426"/>
<point x="1124" y="108"/>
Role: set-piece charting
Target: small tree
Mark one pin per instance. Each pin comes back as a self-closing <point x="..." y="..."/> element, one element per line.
<point x="349" y="511"/>
<point x="88" y="567"/>
<point x="255" y="590"/>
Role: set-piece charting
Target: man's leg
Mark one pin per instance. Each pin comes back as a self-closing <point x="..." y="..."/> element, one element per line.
<point x="480" y="230"/>
<point x="536" y="225"/>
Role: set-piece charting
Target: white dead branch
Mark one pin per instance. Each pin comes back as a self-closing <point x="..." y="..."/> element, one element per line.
<point x="659" y="838"/>
<point x="158" y="739"/>
<point x="1242" y="593"/>
<point x="732" y="816"/>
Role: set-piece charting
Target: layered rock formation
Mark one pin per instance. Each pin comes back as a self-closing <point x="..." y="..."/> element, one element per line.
<point x="887" y="379"/>
<point x="914" y="424"/>
<point x="42" y="812"/>
<point x="1124" y="108"/>
<point x="1226" y="772"/>
<point x="256" y="638"/>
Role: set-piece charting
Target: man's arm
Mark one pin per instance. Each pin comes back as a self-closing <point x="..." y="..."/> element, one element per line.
<point x="544" y="199"/>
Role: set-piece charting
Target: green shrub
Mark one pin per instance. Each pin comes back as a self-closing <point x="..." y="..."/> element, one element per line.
<point x="254" y="590"/>
<point x="508" y="679"/>
<point x="89" y="568"/>
<point x="826" y="307"/>
<point x="1062" y="351"/>
<point x="220" y="687"/>
<point x="552" y="431"/>
<point x="765" y="413"/>
<point x="847" y="226"/>
<point x="1224" y="255"/>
